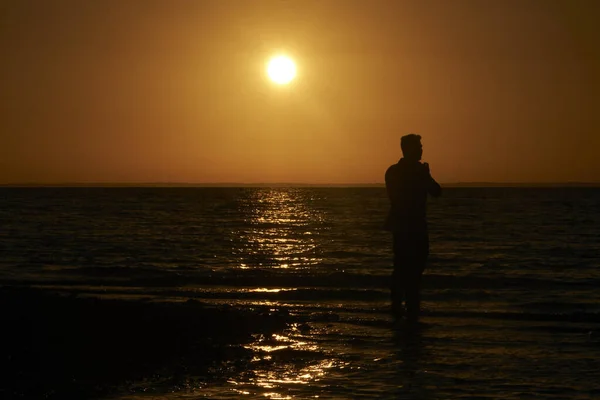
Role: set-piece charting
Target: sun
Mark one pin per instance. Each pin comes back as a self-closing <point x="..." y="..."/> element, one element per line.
<point x="281" y="70"/>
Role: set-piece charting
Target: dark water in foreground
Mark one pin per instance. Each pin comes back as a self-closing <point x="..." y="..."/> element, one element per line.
<point x="510" y="295"/>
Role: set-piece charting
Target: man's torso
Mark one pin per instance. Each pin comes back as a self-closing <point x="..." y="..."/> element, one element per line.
<point x="406" y="184"/>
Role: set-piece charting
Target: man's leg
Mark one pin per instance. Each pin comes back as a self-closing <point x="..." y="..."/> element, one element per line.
<point x="413" y="294"/>
<point x="398" y="280"/>
<point x="397" y="294"/>
<point x="417" y="263"/>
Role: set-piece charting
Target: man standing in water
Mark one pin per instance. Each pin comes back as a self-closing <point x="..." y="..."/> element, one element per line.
<point x="408" y="182"/>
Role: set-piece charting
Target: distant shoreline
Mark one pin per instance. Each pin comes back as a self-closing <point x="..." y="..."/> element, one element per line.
<point x="292" y="185"/>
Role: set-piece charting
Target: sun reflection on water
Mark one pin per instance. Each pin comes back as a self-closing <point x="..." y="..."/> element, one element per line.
<point x="281" y="229"/>
<point x="278" y="382"/>
<point x="283" y="363"/>
<point x="266" y="290"/>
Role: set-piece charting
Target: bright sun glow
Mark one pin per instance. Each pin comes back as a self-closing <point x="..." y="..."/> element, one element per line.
<point x="281" y="70"/>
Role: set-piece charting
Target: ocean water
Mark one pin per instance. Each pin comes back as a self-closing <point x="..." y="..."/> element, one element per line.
<point x="511" y="306"/>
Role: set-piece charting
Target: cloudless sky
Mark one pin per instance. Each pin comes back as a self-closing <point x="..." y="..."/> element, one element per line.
<point x="175" y="90"/>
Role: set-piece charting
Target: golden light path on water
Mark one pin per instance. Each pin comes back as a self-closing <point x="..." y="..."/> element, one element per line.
<point x="280" y="237"/>
<point x="279" y="234"/>
<point x="276" y="381"/>
<point x="266" y="290"/>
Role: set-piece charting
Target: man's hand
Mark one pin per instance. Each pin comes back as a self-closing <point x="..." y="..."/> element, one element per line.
<point x="433" y="188"/>
<point x="426" y="168"/>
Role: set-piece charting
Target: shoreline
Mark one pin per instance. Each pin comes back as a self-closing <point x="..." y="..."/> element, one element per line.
<point x="67" y="346"/>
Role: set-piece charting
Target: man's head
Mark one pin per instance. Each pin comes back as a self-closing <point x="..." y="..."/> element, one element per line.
<point x="411" y="147"/>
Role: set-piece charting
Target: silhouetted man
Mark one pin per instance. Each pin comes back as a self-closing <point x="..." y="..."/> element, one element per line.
<point x="408" y="182"/>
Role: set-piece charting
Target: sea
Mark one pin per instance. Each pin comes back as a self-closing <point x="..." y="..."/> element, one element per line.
<point x="511" y="294"/>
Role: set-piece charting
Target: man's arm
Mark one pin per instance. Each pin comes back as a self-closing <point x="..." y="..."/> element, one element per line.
<point x="433" y="188"/>
<point x="389" y="184"/>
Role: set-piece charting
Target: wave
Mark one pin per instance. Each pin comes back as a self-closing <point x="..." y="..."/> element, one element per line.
<point x="570" y="317"/>
<point x="363" y="306"/>
<point x="368" y="307"/>
<point x="154" y="277"/>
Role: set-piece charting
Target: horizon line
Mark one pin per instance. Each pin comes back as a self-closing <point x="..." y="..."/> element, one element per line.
<point x="290" y="184"/>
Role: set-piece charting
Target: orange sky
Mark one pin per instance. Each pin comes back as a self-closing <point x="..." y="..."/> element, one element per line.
<point x="175" y="91"/>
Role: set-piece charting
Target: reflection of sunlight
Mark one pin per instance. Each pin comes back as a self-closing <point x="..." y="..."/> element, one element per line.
<point x="286" y="378"/>
<point x="297" y="363"/>
<point x="276" y="396"/>
<point x="267" y="345"/>
<point x="265" y="290"/>
<point x="281" y="229"/>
